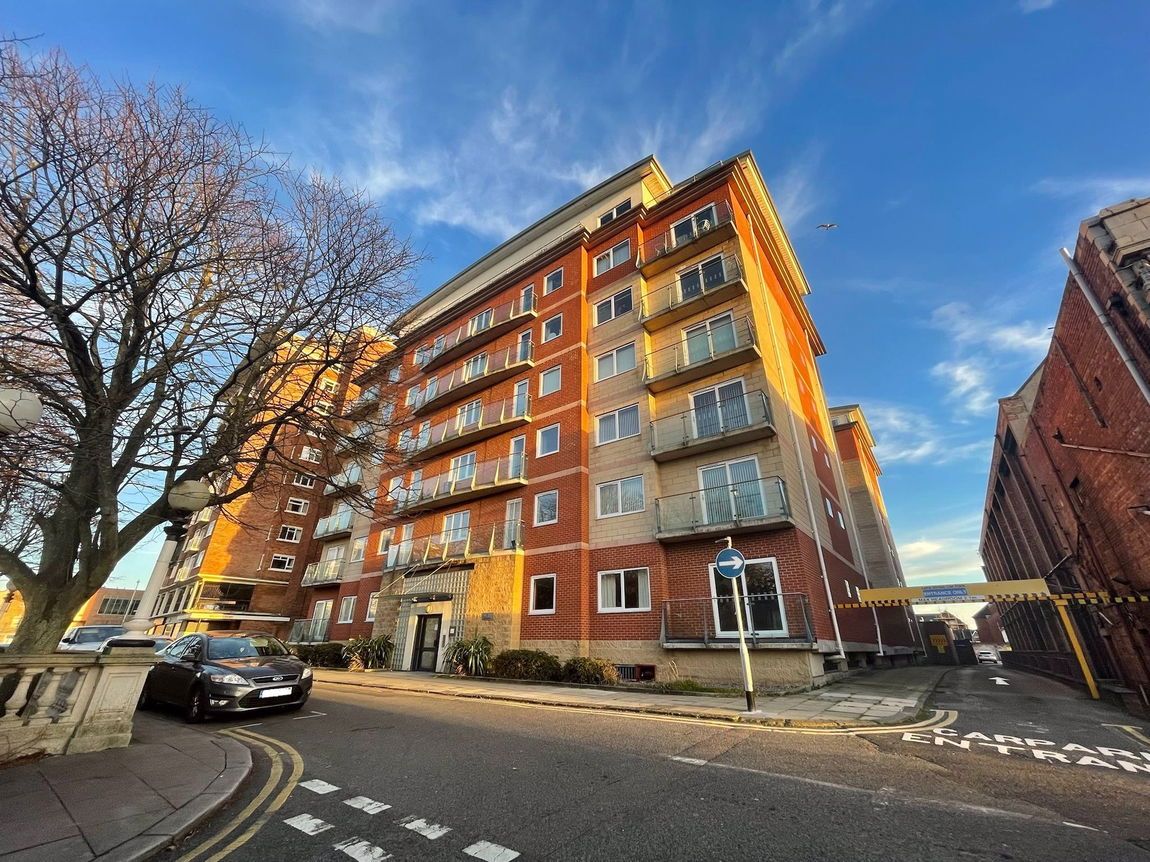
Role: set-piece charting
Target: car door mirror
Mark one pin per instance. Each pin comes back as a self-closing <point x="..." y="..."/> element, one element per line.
<point x="67" y="640"/>
<point x="190" y="656"/>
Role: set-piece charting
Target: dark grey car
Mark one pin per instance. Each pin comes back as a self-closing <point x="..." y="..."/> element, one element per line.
<point x="227" y="671"/>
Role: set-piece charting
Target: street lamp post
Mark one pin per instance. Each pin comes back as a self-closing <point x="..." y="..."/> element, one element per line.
<point x="19" y="410"/>
<point x="186" y="498"/>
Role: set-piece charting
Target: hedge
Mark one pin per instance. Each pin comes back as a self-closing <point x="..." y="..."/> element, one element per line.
<point x="526" y="664"/>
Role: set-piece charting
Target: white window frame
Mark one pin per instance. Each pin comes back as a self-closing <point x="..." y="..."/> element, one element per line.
<point x="385" y="537"/>
<point x="347" y="616"/>
<point x="608" y="257"/>
<point x="614" y="354"/>
<point x="535" y="509"/>
<point x="543" y="336"/>
<point x="621" y="573"/>
<point x="599" y="441"/>
<point x="479" y="360"/>
<point x="307" y="481"/>
<point x="461" y="523"/>
<point x="547" y="288"/>
<point x="558" y="369"/>
<point x="531" y="609"/>
<point x="362" y="549"/>
<point x="615" y="211"/>
<point x="300" y="506"/>
<point x="611" y="302"/>
<point x="481" y="322"/>
<point x="369" y="614"/>
<point x="695" y="231"/>
<point x="473" y="407"/>
<point x="539" y="453"/>
<point x="310" y="454"/>
<point x="289" y="563"/>
<point x="288" y="533"/>
<point x="618" y="485"/>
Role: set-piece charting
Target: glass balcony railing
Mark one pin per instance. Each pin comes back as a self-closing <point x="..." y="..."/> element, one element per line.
<point x="685" y="237"/>
<point x="480" y="329"/>
<point x="460" y="544"/>
<point x="704" y="349"/>
<point x="323" y="572"/>
<point x="348" y="479"/>
<point x="738" y="506"/>
<point x="309" y="631"/>
<point x="333" y="524"/>
<point x="469" y="426"/>
<point x="701" y="286"/>
<point x="465" y="482"/>
<point x="477" y="373"/>
<point x="711" y="424"/>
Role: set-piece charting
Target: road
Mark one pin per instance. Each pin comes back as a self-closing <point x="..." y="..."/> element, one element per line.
<point x="396" y="775"/>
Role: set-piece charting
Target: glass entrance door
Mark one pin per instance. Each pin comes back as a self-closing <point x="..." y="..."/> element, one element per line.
<point x="763" y="611"/>
<point x="426" y="655"/>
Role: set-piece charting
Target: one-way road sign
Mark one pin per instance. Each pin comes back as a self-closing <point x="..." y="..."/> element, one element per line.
<point x="730" y="563"/>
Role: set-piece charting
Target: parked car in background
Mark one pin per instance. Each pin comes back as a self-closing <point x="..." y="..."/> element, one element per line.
<point x="227" y="671"/>
<point x="986" y="656"/>
<point x="159" y="643"/>
<point x="87" y="638"/>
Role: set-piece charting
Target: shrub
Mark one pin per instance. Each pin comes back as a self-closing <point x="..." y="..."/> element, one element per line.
<point x="470" y="657"/>
<point x="590" y="671"/>
<point x="369" y="653"/>
<point x="526" y="664"/>
<point x="321" y="655"/>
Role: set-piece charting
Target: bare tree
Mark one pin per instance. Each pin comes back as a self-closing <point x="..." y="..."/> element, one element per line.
<point x="172" y="293"/>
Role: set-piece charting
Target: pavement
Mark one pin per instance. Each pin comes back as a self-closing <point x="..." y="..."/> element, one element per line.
<point x="870" y="698"/>
<point x="119" y="804"/>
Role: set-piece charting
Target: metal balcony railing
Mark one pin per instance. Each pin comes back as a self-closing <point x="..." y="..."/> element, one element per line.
<point x="481" y="328"/>
<point x="223" y="605"/>
<point x="468" y="427"/>
<point x="706" y="281"/>
<point x="739" y="505"/>
<point x="708" y="426"/>
<point x="483" y="540"/>
<point x="699" y="348"/>
<point x="768" y="618"/>
<point x="685" y="232"/>
<point x="478" y="372"/>
<point x="348" y="479"/>
<point x="309" y="631"/>
<point x="465" y="482"/>
<point x="337" y="522"/>
<point x="323" y="572"/>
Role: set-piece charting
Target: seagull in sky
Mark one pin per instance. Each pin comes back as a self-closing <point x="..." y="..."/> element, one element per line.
<point x="828" y="226"/>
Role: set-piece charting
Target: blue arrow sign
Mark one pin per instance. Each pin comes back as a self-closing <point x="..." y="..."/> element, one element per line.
<point x="730" y="563"/>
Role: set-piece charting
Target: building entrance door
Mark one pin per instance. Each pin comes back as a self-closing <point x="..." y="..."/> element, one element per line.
<point x="426" y="653"/>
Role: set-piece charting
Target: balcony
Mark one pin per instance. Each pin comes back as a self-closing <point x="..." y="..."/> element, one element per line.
<point x="705" y="349"/>
<point x="323" y="572"/>
<point x="430" y="552"/>
<point x="481" y="329"/>
<point x="467" y="429"/>
<point x="769" y="619"/>
<point x="309" y="631"/>
<point x="359" y="439"/>
<point x="726" y="422"/>
<point x="363" y="404"/>
<point x="465" y="482"/>
<point x="742" y="507"/>
<point x="688" y="237"/>
<point x="335" y="524"/>
<point x="348" y="479"/>
<point x="705" y="286"/>
<point x="478" y="373"/>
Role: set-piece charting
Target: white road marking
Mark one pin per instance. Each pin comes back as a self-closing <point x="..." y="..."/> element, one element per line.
<point x="369" y="806"/>
<point x="242" y="726"/>
<point x="362" y="851"/>
<point x="314" y="714"/>
<point x="427" y="830"/>
<point x="1000" y="680"/>
<point x="307" y="824"/>
<point x="1079" y="826"/>
<point x="489" y="852"/>
<point x="317" y="786"/>
<point x="694" y="761"/>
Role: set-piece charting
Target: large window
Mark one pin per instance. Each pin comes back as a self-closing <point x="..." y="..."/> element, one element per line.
<point x="290" y="534"/>
<point x="624" y="590"/>
<point x="369" y="616"/>
<point x="618" y="424"/>
<point x="614" y="306"/>
<point x="118" y="607"/>
<point x="702" y="276"/>
<point x="481" y="321"/>
<point x="542" y="594"/>
<point x="296" y="506"/>
<point x="546" y="508"/>
<point x="553" y="282"/>
<point x="616" y="362"/>
<point x="621" y="497"/>
<point x="731" y="491"/>
<point x="710" y="338"/>
<point x="476" y="366"/>
<point x="547" y="441"/>
<point x="693" y="225"/>
<point x="611" y="259"/>
<point x="456" y="526"/>
<point x="346" y="609"/>
<point x="282" y="563"/>
<point x="719" y="409"/>
<point x="615" y="212"/>
<point x="358" y="549"/>
<point x="551" y="380"/>
<point x="764" y="612"/>
<point x="469" y="414"/>
<point x="552" y="328"/>
<point x="463" y="467"/>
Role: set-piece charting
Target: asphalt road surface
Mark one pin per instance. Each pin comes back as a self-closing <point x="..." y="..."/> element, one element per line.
<point x="377" y="775"/>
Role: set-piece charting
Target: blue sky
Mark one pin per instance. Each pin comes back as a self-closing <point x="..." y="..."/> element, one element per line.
<point x="957" y="144"/>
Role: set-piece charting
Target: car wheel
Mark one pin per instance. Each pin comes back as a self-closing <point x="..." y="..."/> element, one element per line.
<point x="196" y="709"/>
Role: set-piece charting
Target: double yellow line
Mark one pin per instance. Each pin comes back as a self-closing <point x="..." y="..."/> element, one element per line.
<point x="257" y="812"/>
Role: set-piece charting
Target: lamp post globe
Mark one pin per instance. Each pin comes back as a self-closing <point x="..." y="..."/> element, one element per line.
<point x="19" y="410"/>
<point x="191" y="495"/>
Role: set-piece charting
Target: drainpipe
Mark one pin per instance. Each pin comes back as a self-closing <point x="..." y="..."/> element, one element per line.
<point x="798" y="452"/>
<point x="1096" y="307"/>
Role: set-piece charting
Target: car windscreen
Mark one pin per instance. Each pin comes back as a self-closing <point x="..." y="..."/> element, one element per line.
<point x="244" y="647"/>
<point x="96" y="634"/>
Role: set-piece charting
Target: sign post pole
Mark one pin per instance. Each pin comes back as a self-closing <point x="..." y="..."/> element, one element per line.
<point x="730" y="564"/>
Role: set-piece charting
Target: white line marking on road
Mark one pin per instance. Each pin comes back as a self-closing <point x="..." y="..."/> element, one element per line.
<point x="240" y="727"/>
<point x="1079" y="826"/>
<point x="317" y="786"/>
<point x="427" y="830"/>
<point x="694" y="761"/>
<point x="361" y="850"/>
<point x="314" y="714"/>
<point x="307" y="824"/>
<point x="1000" y="680"/>
<point x="489" y="852"/>
<point x="363" y="803"/>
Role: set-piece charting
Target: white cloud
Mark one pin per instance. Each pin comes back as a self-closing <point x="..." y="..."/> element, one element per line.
<point x="1031" y="339"/>
<point x="966" y="385"/>
<point x="946" y="552"/>
<point x="794" y="192"/>
<point x="1091" y="194"/>
<point x="361" y="16"/>
<point x="1028" y="6"/>
<point x="907" y="436"/>
<point x="823" y="25"/>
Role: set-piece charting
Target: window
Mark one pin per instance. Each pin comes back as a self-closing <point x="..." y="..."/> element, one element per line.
<point x="328" y="385"/>
<point x="553" y="282"/>
<point x="830" y="508"/>
<point x="552" y="328"/>
<point x="282" y="563"/>
<point x="296" y="506"/>
<point x="412" y="396"/>
<point x="550" y="380"/>
<point x="693" y="225"/>
<point x="621" y="497"/>
<point x="430" y="389"/>
<point x="611" y="259"/>
<point x="394" y="488"/>
<point x="393" y="374"/>
<point x="118" y="607"/>
<point x="358" y="549"/>
<point x="476" y="366"/>
<point x="624" y="590"/>
<point x="462" y="467"/>
<point x="290" y="534"/>
<point x="613" y="307"/>
<point x="385" y="537"/>
<point x="616" y="362"/>
<point x="456" y="527"/>
<point x="481" y="321"/>
<point x="547" y="441"/>
<point x="311" y="454"/>
<point x="719" y="409"/>
<point x="369" y="616"/>
<point x="712" y="337"/>
<point x="702" y="277"/>
<point x="547" y="508"/>
<point x="469" y="414"/>
<point x="527" y="298"/>
<point x="304" y="480"/>
<point x="346" y="609"/>
<point x="542" y="594"/>
<point x="618" y="424"/>
<point x="324" y="408"/>
<point x="842" y="523"/>
<point x="615" y="212"/>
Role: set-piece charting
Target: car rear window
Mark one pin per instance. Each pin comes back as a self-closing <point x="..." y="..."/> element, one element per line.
<point x="246" y="647"/>
<point x="95" y="634"/>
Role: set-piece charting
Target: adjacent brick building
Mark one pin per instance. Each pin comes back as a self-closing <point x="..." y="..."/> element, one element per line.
<point x="1069" y="492"/>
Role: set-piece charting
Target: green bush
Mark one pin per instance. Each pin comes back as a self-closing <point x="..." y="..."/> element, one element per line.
<point x="470" y="657"/>
<point x="369" y="653"/>
<point x="321" y="655"/>
<point x="590" y="671"/>
<point x="526" y="664"/>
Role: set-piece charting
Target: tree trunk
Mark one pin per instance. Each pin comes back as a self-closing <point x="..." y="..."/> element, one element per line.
<point x="47" y="614"/>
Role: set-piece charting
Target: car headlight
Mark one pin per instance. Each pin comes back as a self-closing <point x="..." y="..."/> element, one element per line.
<point x="306" y="673"/>
<point x="228" y="678"/>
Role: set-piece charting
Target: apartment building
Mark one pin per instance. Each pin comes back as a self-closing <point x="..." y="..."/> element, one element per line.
<point x="591" y="409"/>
